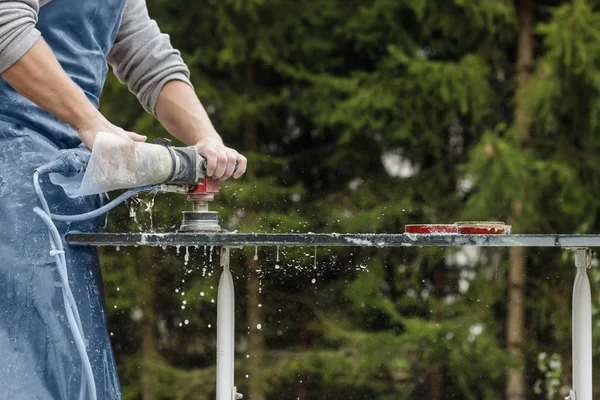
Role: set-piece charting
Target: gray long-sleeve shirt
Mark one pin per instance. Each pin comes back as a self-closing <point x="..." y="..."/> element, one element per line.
<point x="141" y="56"/>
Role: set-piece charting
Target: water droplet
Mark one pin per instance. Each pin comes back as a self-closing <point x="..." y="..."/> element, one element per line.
<point x="313" y="280"/>
<point x="209" y="325"/>
<point x="258" y="326"/>
<point x="277" y="266"/>
<point x="246" y="376"/>
<point x="183" y="307"/>
<point x="184" y="302"/>
<point x="177" y="249"/>
<point x="164" y="247"/>
<point x="118" y="288"/>
<point x="202" y="294"/>
<point x="186" y="322"/>
<point x="118" y="248"/>
<point x="176" y="290"/>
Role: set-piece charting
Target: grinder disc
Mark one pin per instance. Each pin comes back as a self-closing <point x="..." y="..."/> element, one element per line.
<point x="204" y="221"/>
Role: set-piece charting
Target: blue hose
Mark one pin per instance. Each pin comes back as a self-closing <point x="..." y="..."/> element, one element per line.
<point x="57" y="251"/>
<point x="104" y="209"/>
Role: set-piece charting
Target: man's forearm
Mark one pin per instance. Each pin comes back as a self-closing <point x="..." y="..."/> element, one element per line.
<point x="179" y="110"/>
<point x="181" y="113"/>
<point x="39" y="77"/>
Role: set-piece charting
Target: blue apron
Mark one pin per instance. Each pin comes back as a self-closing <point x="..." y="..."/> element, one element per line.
<point x="38" y="357"/>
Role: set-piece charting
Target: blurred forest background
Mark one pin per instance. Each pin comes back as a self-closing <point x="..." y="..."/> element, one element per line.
<point x="364" y="116"/>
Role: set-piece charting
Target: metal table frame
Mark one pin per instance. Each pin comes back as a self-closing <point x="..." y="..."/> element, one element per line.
<point x="226" y="389"/>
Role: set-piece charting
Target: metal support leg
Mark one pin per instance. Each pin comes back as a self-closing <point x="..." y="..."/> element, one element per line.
<point x="582" y="329"/>
<point x="226" y="389"/>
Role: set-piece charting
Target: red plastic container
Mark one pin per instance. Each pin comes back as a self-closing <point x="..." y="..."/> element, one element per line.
<point x="431" y="228"/>
<point x="483" y="228"/>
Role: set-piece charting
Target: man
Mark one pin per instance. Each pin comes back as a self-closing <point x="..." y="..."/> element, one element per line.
<point x="53" y="61"/>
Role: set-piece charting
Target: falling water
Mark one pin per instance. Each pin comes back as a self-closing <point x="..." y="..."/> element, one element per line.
<point x="277" y="259"/>
<point x="133" y="214"/>
<point x="256" y="253"/>
<point x="186" y="258"/>
<point x="149" y="204"/>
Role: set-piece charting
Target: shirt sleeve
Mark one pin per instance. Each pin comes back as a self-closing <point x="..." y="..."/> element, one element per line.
<point x="143" y="57"/>
<point x="17" y="30"/>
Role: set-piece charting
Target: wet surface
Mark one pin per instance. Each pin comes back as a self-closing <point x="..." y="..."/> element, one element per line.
<point x="330" y="239"/>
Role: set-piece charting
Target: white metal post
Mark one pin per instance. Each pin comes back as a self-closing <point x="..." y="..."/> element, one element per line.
<point x="582" y="328"/>
<point x="226" y="389"/>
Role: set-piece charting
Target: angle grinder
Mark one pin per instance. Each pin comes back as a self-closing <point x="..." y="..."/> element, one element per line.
<point x="117" y="163"/>
<point x="199" y="188"/>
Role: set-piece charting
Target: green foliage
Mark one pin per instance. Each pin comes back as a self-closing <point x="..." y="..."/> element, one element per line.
<point x="364" y="117"/>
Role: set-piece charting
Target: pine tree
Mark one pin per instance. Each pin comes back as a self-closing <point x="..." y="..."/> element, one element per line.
<point x="364" y="117"/>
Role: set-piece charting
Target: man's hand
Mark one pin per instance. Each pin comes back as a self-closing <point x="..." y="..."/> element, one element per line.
<point x="180" y="111"/>
<point x="98" y="123"/>
<point x="221" y="161"/>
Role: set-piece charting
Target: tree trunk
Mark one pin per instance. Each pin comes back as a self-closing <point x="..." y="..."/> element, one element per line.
<point x="437" y="372"/>
<point x="148" y="352"/>
<point x="256" y="339"/>
<point x="149" y="344"/>
<point x="516" y="385"/>
<point x="304" y="316"/>
<point x="436" y="382"/>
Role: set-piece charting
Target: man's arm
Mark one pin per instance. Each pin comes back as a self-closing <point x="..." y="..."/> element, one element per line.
<point x="179" y="110"/>
<point x="143" y="57"/>
<point x="30" y="67"/>
<point x="39" y="77"/>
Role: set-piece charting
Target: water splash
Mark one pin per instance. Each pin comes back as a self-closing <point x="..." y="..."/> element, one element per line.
<point x="186" y="258"/>
<point x="133" y="213"/>
<point x="149" y="205"/>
